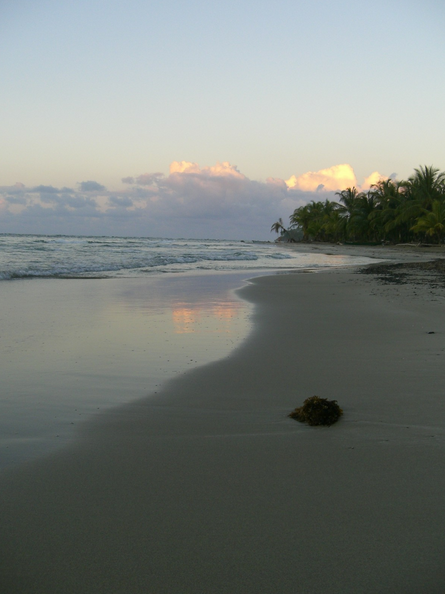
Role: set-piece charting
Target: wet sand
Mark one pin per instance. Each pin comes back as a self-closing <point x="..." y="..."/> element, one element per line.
<point x="208" y="486"/>
<point x="72" y="348"/>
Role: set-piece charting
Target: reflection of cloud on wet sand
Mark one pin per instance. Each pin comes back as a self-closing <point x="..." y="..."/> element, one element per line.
<point x="189" y="318"/>
<point x="184" y="318"/>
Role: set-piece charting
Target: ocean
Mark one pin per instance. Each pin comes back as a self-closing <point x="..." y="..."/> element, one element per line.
<point x="57" y="256"/>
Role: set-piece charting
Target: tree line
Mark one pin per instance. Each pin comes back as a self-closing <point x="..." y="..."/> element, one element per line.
<point x="391" y="211"/>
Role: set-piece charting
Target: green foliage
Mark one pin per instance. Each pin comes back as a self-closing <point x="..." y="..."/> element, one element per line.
<point x="393" y="211"/>
<point x="317" y="411"/>
<point x="432" y="223"/>
<point x="317" y="220"/>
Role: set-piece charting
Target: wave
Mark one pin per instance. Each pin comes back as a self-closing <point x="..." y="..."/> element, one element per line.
<point x="128" y="261"/>
<point x="32" y="256"/>
<point x="279" y="256"/>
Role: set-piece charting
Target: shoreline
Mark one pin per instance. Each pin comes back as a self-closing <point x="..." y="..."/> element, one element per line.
<point x="396" y="253"/>
<point x="209" y="487"/>
<point x="82" y="356"/>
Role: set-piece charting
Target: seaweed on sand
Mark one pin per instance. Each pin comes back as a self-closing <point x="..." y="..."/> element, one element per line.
<point x="317" y="411"/>
<point x="431" y="273"/>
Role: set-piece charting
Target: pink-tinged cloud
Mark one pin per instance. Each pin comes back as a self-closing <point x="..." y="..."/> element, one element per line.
<point x="224" y="169"/>
<point x="184" y="167"/>
<point x="216" y="201"/>
<point x="371" y="180"/>
<point x="335" y="178"/>
<point x="276" y="182"/>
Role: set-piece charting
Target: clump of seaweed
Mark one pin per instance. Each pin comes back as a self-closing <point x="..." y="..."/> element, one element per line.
<point x="317" y="411"/>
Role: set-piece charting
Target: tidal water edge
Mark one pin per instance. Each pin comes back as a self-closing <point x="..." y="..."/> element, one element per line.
<point x="91" y="323"/>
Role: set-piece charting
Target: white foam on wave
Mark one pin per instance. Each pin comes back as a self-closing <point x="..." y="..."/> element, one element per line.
<point x="27" y="256"/>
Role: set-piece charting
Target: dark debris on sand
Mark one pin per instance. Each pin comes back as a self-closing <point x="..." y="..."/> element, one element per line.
<point x="317" y="411"/>
<point x="431" y="273"/>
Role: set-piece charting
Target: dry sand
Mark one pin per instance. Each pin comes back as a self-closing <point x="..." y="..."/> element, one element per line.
<point x="208" y="487"/>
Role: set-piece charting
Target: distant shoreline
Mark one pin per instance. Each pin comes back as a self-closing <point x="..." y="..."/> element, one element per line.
<point x="388" y="253"/>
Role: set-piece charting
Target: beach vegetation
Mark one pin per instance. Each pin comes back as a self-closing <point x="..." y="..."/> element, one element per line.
<point x="391" y="211"/>
<point x="279" y="227"/>
<point x="290" y="235"/>
<point x="317" y="411"/>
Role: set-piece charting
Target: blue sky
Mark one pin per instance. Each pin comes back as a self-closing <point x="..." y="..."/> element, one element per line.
<point x="103" y="90"/>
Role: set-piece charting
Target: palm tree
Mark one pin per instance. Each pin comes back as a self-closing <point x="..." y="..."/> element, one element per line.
<point x="349" y="201"/>
<point x="394" y="210"/>
<point x="331" y="218"/>
<point x="301" y="218"/>
<point x="285" y="234"/>
<point x="389" y="198"/>
<point x="427" y="185"/>
<point x="361" y="222"/>
<point x="432" y="222"/>
<point x="421" y="190"/>
<point x="315" y="227"/>
<point x="317" y="220"/>
<point x="278" y="227"/>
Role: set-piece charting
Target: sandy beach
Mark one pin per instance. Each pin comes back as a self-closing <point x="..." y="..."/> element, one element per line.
<point x="208" y="487"/>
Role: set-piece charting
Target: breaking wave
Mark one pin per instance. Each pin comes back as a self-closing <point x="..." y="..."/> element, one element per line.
<point x="58" y="256"/>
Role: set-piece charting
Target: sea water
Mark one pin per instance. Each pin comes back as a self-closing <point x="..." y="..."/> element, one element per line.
<point x="49" y="256"/>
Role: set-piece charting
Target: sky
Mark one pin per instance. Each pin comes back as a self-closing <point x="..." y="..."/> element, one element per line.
<point x="209" y="119"/>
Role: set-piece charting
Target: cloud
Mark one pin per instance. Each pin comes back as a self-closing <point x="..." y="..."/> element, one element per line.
<point x="123" y="201"/>
<point x="91" y="186"/>
<point x="224" y="169"/>
<point x="275" y="181"/>
<point x="333" y="179"/>
<point x="46" y="190"/>
<point x="184" y="167"/>
<point x="16" y="199"/>
<point x="216" y="201"/>
<point x="371" y="180"/>
<point x="76" y="202"/>
<point x="148" y="179"/>
<point x="145" y="179"/>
